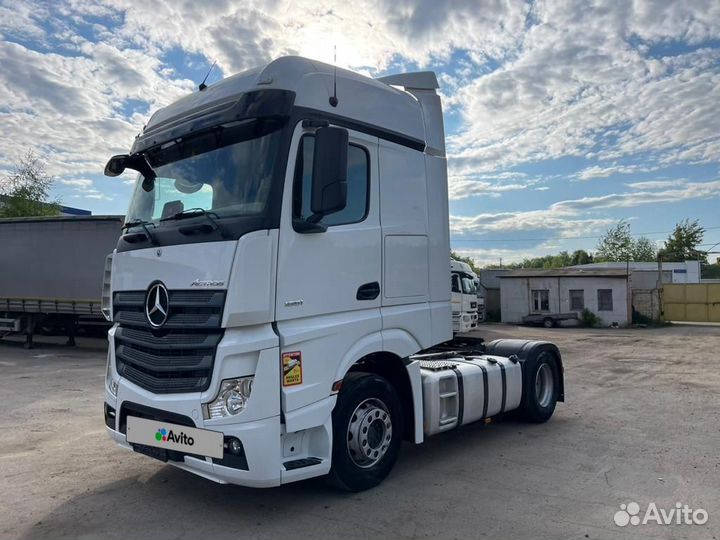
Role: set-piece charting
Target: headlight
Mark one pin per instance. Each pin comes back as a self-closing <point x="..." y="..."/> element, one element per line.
<point x="111" y="383"/>
<point x="232" y="398"/>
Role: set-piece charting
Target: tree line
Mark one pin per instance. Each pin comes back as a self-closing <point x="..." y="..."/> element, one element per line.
<point x="617" y="244"/>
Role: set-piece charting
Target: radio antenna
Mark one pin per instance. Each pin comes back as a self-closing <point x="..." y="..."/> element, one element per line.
<point x="333" y="99"/>
<point x="203" y="86"/>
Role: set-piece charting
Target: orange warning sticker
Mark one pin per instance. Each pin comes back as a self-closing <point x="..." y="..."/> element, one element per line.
<point x="292" y="368"/>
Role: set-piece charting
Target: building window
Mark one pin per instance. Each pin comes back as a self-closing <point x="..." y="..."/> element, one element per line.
<point x="577" y="299"/>
<point x="358" y="184"/>
<point x="605" y="300"/>
<point x="541" y="300"/>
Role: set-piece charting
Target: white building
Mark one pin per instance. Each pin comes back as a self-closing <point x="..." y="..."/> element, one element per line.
<point x="680" y="272"/>
<point x="604" y="291"/>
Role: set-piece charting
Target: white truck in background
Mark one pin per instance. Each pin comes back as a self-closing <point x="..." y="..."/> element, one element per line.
<point x="463" y="295"/>
<point x="280" y="298"/>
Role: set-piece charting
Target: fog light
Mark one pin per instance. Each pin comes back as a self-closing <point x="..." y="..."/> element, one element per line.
<point x="235" y="446"/>
<point x="231" y="399"/>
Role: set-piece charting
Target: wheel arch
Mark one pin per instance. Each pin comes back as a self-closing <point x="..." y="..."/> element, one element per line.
<point x="528" y="351"/>
<point x="393" y="368"/>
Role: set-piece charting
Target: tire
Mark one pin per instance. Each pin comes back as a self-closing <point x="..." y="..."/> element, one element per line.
<point x="540" y="388"/>
<point x="367" y="413"/>
<point x="548" y="322"/>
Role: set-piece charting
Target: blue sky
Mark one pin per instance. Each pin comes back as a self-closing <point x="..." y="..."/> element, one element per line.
<point x="562" y="118"/>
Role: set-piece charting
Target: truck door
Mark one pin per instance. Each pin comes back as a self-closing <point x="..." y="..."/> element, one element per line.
<point x="328" y="283"/>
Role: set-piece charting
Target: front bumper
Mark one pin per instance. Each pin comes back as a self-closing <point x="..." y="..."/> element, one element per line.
<point x="261" y="441"/>
<point x="242" y="352"/>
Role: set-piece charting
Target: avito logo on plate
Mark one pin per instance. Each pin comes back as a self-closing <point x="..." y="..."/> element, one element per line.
<point x="169" y="436"/>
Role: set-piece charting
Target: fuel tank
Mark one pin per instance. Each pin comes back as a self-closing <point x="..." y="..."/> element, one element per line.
<point x="460" y="390"/>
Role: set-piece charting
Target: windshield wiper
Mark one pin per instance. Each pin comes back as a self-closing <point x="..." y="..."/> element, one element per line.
<point x="211" y="217"/>
<point x="140" y="223"/>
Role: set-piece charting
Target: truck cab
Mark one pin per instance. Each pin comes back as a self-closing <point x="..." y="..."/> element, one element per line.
<point x="464" y="298"/>
<point x="284" y="259"/>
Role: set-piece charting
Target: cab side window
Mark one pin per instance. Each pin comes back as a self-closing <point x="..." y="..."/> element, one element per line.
<point x="358" y="184"/>
<point x="455" y="283"/>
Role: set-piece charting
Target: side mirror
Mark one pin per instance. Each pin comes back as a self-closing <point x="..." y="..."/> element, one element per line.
<point x="138" y="162"/>
<point x="329" y="180"/>
<point x="116" y="165"/>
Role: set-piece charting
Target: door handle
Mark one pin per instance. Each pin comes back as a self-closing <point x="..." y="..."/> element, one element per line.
<point x="369" y="291"/>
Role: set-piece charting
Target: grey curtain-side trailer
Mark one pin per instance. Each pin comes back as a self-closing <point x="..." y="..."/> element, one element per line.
<point x="51" y="271"/>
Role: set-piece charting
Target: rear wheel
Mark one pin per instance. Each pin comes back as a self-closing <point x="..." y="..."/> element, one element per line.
<point x="541" y="388"/>
<point x="548" y="322"/>
<point x="367" y="432"/>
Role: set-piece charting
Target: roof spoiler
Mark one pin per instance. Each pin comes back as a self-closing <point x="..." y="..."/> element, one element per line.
<point x="420" y="80"/>
<point x="424" y="85"/>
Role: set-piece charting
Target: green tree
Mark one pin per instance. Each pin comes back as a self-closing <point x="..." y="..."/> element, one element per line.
<point x="616" y="244"/>
<point x="26" y="190"/>
<point x="682" y="244"/>
<point x="580" y="256"/>
<point x="644" y="250"/>
<point x="469" y="260"/>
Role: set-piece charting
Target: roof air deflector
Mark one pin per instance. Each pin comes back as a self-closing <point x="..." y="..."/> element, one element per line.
<point x="420" y="80"/>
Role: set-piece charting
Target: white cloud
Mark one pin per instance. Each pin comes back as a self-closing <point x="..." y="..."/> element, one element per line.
<point x="683" y="191"/>
<point x="569" y="219"/>
<point x="597" y="171"/>
<point x="580" y="87"/>
<point x="76" y="182"/>
<point x="68" y="107"/>
<point x="462" y="188"/>
<point x="656" y="184"/>
<point x="624" y="87"/>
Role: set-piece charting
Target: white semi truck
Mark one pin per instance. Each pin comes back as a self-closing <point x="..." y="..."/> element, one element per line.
<point x="280" y="298"/>
<point x="463" y="296"/>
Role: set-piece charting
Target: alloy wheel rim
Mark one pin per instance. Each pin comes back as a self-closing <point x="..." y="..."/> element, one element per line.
<point x="369" y="433"/>
<point x="544" y="385"/>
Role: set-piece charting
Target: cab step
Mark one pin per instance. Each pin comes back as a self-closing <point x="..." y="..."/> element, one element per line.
<point x="300" y="463"/>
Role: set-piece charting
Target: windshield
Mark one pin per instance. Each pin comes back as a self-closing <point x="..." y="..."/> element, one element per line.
<point x="468" y="286"/>
<point x="229" y="180"/>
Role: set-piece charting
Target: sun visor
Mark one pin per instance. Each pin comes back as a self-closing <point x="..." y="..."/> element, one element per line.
<point x="270" y="103"/>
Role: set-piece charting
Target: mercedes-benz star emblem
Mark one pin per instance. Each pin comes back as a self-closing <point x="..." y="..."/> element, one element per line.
<point x="157" y="305"/>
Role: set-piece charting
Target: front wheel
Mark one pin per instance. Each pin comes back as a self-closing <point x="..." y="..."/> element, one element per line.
<point x="548" y="322"/>
<point x="367" y="432"/>
<point x="541" y="388"/>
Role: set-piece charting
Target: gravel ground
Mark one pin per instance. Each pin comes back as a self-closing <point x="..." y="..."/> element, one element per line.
<point x="640" y="424"/>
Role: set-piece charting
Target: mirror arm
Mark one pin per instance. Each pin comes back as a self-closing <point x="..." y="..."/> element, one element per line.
<point x="308" y="227"/>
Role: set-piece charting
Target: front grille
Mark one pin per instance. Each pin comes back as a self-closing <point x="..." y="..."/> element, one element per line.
<point x="178" y="357"/>
<point x="195" y="309"/>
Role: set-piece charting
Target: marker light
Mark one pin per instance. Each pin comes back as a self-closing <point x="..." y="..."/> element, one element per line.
<point x="111" y="383"/>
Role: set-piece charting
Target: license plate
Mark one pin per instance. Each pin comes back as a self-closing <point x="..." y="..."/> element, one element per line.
<point x="167" y="436"/>
<point x="151" y="451"/>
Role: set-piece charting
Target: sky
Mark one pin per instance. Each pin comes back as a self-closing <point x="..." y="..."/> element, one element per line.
<point x="562" y="118"/>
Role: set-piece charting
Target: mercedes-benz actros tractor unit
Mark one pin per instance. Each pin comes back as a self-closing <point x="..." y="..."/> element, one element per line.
<point x="280" y="296"/>
<point x="463" y="296"/>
